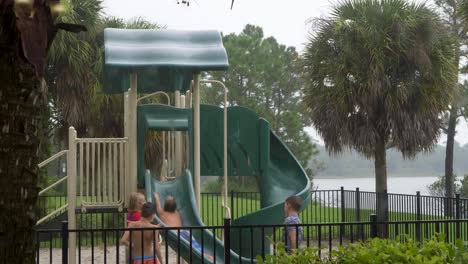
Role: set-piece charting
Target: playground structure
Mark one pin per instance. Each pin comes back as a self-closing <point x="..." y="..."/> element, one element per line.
<point x="199" y="140"/>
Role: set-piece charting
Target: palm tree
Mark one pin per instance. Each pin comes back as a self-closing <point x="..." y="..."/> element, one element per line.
<point x="74" y="74"/>
<point x="27" y="28"/>
<point x="452" y="16"/>
<point x="378" y="74"/>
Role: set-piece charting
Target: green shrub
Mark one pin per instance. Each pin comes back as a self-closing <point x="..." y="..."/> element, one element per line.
<point x="377" y="250"/>
<point x="433" y="251"/>
<point x="298" y="256"/>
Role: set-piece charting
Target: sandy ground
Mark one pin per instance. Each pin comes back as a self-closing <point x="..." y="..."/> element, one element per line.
<point x="86" y="255"/>
<point x="99" y="255"/>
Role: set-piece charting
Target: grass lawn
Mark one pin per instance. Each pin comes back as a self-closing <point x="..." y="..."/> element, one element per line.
<point x="212" y="214"/>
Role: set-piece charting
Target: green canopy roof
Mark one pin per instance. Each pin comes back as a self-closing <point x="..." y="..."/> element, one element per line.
<point x="163" y="59"/>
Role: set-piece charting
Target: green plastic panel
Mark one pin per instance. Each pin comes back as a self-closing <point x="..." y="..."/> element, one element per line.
<point x="163" y="59"/>
<point x="285" y="177"/>
<point x="162" y="118"/>
<point x="244" y="137"/>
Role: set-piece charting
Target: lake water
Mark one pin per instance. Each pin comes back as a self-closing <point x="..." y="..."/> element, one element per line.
<point x="407" y="185"/>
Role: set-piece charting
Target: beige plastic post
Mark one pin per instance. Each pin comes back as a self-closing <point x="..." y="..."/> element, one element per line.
<point x="196" y="136"/>
<point x="127" y="156"/>
<point x="227" y="211"/>
<point x="178" y="138"/>
<point x="71" y="193"/>
<point x="183" y="140"/>
<point x="132" y="142"/>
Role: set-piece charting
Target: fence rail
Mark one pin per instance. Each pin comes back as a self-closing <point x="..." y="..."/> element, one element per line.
<point x="104" y="247"/>
<point x="325" y="206"/>
<point x="344" y="206"/>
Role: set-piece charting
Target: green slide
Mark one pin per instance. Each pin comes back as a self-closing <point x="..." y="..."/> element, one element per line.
<point x="285" y="177"/>
<point x="253" y="150"/>
<point x="183" y="192"/>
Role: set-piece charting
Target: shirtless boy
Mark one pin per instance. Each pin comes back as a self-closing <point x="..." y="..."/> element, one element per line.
<point x="150" y="238"/>
<point x="171" y="217"/>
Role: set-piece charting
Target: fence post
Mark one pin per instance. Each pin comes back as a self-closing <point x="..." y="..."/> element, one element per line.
<point x="457" y="215"/>
<point x="418" y="216"/>
<point x="65" y="242"/>
<point x="358" y="211"/>
<point x="227" y="240"/>
<point x="358" y="205"/>
<point x="373" y="227"/>
<point x="343" y="212"/>
<point x="232" y="204"/>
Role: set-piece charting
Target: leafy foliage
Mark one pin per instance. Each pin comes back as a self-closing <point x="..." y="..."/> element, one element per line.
<point x="461" y="186"/>
<point x="265" y="76"/>
<point x="308" y="255"/>
<point x="379" y="250"/>
<point x="453" y="19"/>
<point x="75" y="73"/>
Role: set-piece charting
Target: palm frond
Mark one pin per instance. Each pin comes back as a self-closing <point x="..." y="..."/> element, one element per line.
<point x="379" y="69"/>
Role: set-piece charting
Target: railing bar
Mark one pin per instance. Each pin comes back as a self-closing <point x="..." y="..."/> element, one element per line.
<point x="110" y="172"/>
<point x="102" y="140"/>
<point x="53" y="157"/>
<point x="53" y="185"/>
<point x="121" y="152"/>
<point x="115" y="176"/>
<point x="80" y="155"/>
<point x="87" y="165"/>
<point x="93" y="170"/>
<point x="99" y="173"/>
<point x="51" y="214"/>
<point x="104" y="173"/>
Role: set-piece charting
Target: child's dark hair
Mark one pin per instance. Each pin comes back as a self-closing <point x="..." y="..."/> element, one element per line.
<point x="148" y="210"/>
<point x="295" y="202"/>
<point x="170" y="204"/>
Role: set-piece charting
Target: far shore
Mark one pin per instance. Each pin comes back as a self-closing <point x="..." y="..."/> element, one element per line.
<point x="368" y="176"/>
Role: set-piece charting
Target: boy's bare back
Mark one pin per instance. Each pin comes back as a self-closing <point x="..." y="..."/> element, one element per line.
<point x="150" y="238"/>
<point x="171" y="219"/>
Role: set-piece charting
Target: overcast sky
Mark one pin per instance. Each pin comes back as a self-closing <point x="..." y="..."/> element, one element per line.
<point x="286" y="20"/>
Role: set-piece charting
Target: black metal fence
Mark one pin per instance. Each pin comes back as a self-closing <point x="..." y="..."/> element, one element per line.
<point x="92" y="219"/>
<point x="342" y="205"/>
<point x="325" y="206"/>
<point x="355" y="205"/>
<point x="172" y="245"/>
<point x="332" y="218"/>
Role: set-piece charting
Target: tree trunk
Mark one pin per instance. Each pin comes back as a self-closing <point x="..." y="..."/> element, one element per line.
<point x="381" y="186"/>
<point x="19" y="114"/>
<point x="449" y="177"/>
<point x="24" y="38"/>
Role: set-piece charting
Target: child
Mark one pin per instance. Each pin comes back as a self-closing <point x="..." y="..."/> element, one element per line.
<point x="144" y="244"/>
<point x="292" y="235"/>
<point x="171" y="217"/>
<point x="137" y="200"/>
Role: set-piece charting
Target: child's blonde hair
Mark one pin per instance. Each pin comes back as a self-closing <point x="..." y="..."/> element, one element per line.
<point x="133" y="203"/>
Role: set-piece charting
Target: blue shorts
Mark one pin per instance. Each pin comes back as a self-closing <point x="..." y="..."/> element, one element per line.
<point x="186" y="235"/>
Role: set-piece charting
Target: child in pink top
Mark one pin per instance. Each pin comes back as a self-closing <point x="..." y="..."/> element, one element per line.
<point x="137" y="200"/>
